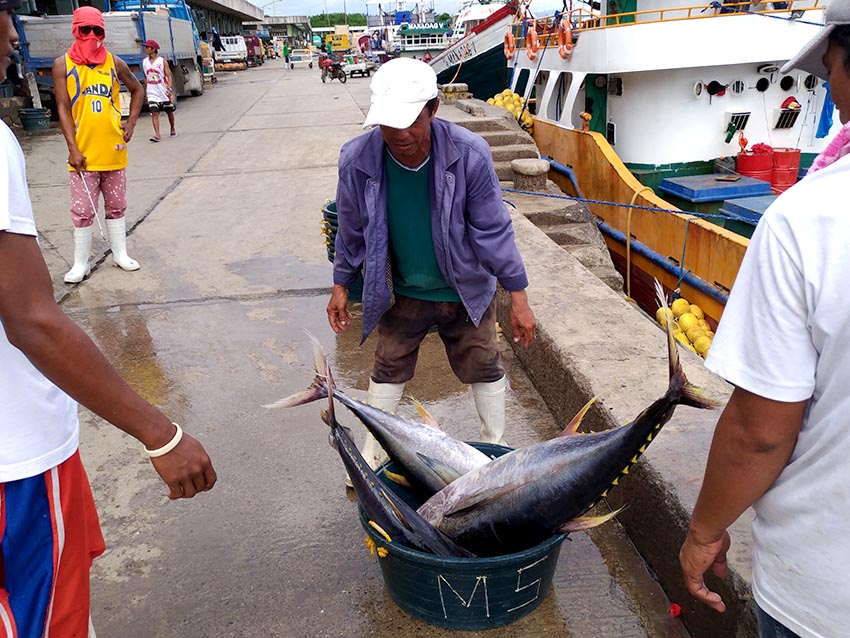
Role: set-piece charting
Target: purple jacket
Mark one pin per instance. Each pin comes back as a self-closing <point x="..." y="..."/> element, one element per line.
<point x="470" y="225"/>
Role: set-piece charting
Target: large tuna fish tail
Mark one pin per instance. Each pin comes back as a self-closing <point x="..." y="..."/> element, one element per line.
<point x="318" y="389"/>
<point x="680" y="390"/>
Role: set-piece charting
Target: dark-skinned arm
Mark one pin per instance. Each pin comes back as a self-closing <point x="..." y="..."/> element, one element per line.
<point x="63" y="109"/>
<point x="58" y="348"/>
<point x="752" y="444"/>
<point x="137" y="96"/>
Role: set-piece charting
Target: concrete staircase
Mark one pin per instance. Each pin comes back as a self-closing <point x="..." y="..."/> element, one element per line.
<point x="568" y="223"/>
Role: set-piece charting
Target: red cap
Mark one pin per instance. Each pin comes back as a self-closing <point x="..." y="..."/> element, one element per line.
<point x="153" y="44"/>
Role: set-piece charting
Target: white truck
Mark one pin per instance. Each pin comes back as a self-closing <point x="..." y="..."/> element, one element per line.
<point x="42" y="39"/>
<point x="235" y="50"/>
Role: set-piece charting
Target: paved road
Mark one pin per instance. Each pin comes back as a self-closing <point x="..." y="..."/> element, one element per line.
<point x="225" y="222"/>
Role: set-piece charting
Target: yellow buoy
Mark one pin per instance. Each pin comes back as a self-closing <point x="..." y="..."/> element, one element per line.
<point x="680" y="306"/>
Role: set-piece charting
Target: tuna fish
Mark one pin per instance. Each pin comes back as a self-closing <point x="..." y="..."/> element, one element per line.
<point x="385" y="512"/>
<point x="522" y="498"/>
<point x="425" y="455"/>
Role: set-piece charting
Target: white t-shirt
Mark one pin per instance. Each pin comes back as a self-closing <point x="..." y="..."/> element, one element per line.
<point x="785" y="335"/>
<point x="155" y="79"/>
<point x="39" y="428"/>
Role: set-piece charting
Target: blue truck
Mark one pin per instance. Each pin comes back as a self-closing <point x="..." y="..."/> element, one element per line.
<point x="129" y="24"/>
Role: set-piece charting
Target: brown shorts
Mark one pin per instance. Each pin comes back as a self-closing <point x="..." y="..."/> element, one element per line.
<point x="472" y="351"/>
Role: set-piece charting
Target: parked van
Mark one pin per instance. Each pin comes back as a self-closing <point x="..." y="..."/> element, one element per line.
<point x="235" y="49"/>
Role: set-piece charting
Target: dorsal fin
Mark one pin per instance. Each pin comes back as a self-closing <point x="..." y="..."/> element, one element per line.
<point x="426" y="416"/>
<point x="572" y="426"/>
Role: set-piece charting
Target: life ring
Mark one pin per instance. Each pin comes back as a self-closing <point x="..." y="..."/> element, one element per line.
<point x="531" y="43"/>
<point x="565" y="40"/>
<point x="510" y="45"/>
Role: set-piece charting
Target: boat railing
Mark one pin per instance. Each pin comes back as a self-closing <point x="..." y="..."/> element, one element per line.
<point x="583" y="20"/>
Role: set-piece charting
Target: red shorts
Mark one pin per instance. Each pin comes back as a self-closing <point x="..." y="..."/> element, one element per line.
<point x="49" y="535"/>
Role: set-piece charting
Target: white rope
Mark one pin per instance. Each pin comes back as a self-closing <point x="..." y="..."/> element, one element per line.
<point x="93" y="206"/>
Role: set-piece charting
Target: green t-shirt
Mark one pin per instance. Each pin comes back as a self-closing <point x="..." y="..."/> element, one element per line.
<point x="415" y="270"/>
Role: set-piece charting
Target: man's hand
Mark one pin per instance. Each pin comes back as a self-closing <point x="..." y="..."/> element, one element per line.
<point x="76" y="159"/>
<point x="186" y="470"/>
<point x="523" y="322"/>
<point x="338" y="315"/>
<point x="128" y="127"/>
<point x="696" y="557"/>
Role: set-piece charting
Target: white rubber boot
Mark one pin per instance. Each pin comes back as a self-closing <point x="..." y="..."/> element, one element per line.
<point x="116" y="229"/>
<point x="82" y="251"/>
<point x="490" y="403"/>
<point x="386" y="396"/>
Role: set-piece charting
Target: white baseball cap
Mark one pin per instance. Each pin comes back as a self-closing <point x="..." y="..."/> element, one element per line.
<point x="400" y="90"/>
<point x="810" y="57"/>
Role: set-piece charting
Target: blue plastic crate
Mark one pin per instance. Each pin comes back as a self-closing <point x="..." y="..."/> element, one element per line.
<point x="707" y="188"/>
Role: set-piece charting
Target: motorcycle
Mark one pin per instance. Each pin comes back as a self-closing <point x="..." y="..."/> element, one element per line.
<point x="333" y="70"/>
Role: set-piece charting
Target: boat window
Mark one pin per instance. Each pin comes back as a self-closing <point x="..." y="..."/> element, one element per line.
<point x="557" y="103"/>
<point x="522" y="81"/>
<point x="611" y="133"/>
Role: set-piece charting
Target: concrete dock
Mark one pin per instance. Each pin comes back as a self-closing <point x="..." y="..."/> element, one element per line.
<point x="224" y="219"/>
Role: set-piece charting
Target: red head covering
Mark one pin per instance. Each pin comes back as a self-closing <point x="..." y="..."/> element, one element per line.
<point x="87" y="48"/>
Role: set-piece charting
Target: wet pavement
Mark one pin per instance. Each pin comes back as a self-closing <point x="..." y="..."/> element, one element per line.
<point x="225" y="222"/>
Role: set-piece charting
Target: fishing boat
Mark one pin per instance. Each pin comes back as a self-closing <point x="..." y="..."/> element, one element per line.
<point x="472" y="13"/>
<point x="476" y="58"/>
<point x="385" y="19"/>
<point x="634" y="101"/>
<point x="422" y="41"/>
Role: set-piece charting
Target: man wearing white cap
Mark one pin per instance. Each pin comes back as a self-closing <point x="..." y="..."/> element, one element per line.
<point x="783" y="442"/>
<point x="421" y="216"/>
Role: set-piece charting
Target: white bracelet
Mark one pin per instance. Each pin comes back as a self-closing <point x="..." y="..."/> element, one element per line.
<point x="165" y="449"/>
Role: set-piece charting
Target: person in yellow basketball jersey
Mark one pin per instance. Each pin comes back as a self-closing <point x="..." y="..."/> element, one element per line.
<point x="90" y="117"/>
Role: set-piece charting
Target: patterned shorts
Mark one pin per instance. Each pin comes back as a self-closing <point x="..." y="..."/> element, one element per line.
<point x="167" y="106"/>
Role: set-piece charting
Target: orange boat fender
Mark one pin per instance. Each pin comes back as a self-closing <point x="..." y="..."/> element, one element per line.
<point x="531" y="43"/>
<point x="565" y="40"/>
<point x="510" y="45"/>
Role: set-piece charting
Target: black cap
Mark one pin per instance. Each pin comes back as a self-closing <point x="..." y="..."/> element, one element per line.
<point x="6" y="5"/>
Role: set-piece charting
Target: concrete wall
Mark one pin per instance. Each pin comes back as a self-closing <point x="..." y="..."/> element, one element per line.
<point x="591" y="342"/>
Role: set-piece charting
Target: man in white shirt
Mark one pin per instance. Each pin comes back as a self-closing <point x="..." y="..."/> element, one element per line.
<point x="159" y="87"/>
<point x="783" y="442"/>
<point x="49" y="531"/>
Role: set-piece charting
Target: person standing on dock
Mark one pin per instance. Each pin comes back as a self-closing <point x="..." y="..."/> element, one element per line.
<point x="49" y="528"/>
<point x="421" y="216"/>
<point x="782" y="443"/>
<point x="87" y="85"/>
<point x="159" y="88"/>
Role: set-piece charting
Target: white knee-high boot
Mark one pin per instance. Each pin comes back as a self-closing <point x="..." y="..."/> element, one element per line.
<point x="82" y="251"/>
<point x="117" y="231"/>
<point x="490" y="403"/>
<point x="387" y="397"/>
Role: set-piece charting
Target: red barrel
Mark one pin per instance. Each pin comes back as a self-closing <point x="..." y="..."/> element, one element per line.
<point x="786" y="166"/>
<point x="758" y="165"/>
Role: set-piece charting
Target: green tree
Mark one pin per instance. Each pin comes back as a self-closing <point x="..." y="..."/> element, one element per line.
<point x="333" y="19"/>
<point x="444" y="17"/>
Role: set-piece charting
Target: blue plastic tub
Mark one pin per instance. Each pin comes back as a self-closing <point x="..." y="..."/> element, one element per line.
<point x="355" y="290"/>
<point x="34" y="119"/>
<point x="467" y="594"/>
